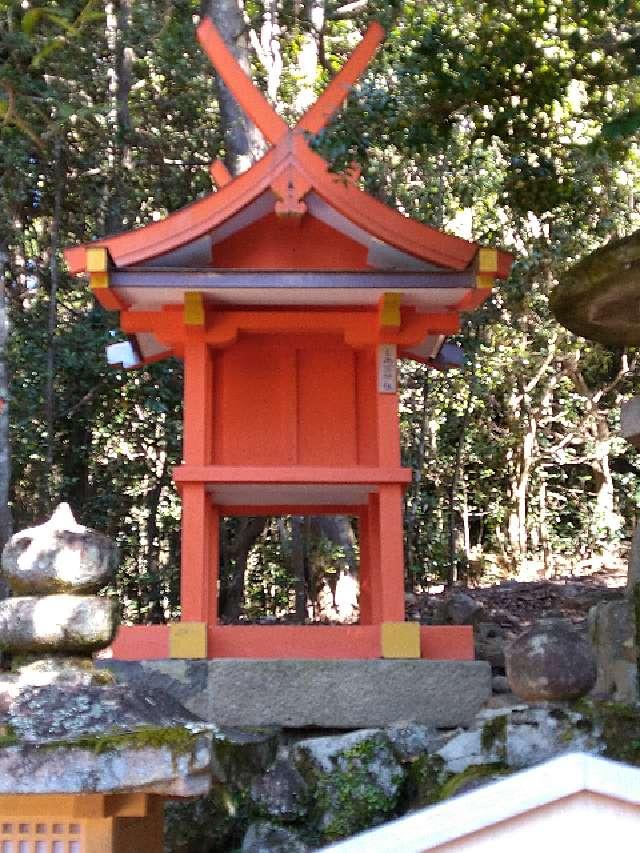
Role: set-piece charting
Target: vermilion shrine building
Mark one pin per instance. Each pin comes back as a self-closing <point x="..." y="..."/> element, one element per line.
<point x="289" y="293"/>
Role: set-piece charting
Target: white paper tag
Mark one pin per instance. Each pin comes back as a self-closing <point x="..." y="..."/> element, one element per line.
<point x="387" y="369"/>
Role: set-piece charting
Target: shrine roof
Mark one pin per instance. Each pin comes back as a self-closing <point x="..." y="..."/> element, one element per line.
<point x="294" y="184"/>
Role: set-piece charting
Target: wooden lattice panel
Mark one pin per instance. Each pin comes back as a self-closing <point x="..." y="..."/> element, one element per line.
<point x="39" y="836"/>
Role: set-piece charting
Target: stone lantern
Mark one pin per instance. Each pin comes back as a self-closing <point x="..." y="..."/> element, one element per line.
<point x="599" y="298"/>
<point x="85" y="763"/>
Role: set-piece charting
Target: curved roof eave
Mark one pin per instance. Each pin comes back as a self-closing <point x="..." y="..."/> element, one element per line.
<point x="204" y="215"/>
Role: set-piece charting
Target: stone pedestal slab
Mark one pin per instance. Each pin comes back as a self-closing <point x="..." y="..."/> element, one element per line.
<point x="338" y="694"/>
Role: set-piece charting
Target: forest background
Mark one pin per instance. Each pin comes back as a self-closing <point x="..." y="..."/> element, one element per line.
<point x="510" y="124"/>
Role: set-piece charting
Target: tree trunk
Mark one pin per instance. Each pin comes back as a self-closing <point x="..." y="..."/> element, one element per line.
<point x="298" y="562"/>
<point x="606" y="520"/>
<point x="5" y="449"/>
<point x="456" y="476"/>
<point x="311" y="54"/>
<point x="118" y="24"/>
<point x="235" y="553"/>
<point x="243" y="141"/>
<point x="54" y="281"/>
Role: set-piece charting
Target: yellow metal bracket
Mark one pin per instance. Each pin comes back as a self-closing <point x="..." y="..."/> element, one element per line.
<point x="487" y="268"/>
<point x="389" y="310"/>
<point x="194" y="312"/>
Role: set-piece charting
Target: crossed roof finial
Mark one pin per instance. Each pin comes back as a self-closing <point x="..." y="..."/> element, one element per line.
<point x="258" y="108"/>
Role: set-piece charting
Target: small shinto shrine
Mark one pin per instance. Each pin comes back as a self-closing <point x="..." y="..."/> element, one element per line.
<point x="289" y="293"/>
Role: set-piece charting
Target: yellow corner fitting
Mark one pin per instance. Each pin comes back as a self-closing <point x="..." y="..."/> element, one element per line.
<point x="97" y="259"/>
<point x="389" y="310"/>
<point x="194" y="313"/>
<point x="400" y="639"/>
<point x="488" y="262"/>
<point x="485" y="281"/>
<point x="97" y="265"/>
<point x="188" y="640"/>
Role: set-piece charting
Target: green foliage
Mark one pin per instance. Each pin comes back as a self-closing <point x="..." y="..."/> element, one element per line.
<point x="513" y="125"/>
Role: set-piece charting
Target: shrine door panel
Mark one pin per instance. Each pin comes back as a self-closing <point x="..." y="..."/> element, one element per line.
<point x="327" y="407"/>
<point x="286" y="404"/>
<point x="255" y="408"/>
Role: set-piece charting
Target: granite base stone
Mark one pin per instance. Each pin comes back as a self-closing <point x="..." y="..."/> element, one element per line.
<point x="334" y="694"/>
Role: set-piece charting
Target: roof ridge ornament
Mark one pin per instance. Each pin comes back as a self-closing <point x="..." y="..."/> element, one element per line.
<point x="258" y="108"/>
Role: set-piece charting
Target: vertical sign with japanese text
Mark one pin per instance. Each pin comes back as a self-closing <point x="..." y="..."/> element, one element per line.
<point x="387" y="378"/>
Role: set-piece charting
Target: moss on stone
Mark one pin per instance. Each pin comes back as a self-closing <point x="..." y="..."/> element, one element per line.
<point x="8" y="736"/>
<point x="422" y="783"/>
<point x="596" y="297"/>
<point x="175" y="738"/>
<point x="348" y="800"/>
<point x="475" y="773"/>
<point x="494" y="735"/>
<point x="616" y="724"/>
<point x="239" y="756"/>
<point x="620" y="727"/>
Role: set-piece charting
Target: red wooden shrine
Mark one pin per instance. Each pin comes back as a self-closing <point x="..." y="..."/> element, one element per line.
<point x="289" y="293"/>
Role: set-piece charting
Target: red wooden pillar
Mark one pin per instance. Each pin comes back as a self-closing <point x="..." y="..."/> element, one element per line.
<point x="387" y="508"/>
<point x="199" y="555"/>
<point x="200" y="519"/>
<point x="198" y="399"/>
<point x="391" y="538"/>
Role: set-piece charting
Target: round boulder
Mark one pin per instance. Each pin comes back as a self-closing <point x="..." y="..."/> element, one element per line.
<point x="550" y="661"/>
<point x="58" y="556"/>
<point x="58" y="624"/>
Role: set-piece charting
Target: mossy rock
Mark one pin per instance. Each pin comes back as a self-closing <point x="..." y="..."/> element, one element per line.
<point x="355" y="782"/>
<point x="619" y="727"/>
<point x="493" y="736"/>
<point x="211" y="824"/>
<point x="240" y="755"/>
<point x="423" y="782"/>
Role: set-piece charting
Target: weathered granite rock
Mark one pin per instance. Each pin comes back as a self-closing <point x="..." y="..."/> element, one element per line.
<point x="535" y="734"/>
<point x="612" y="630"/>
<point x="58" y="556"/>
<point x="550" y="661"/>
<point x="119" y="764"/>
<point x="355" y="779"/>
<point x="281" y="793"/>
<point x="57" y="712"/>
<point x="69" y="624"/>
<point x="630" y="421"/>
<point x="265" y="837"/>
<point x="410" y="740"/>
<point x="633" y="571"/>
<point x="465" y="749"/>
<point x="71" y="671"/>
<point x="333" y="694"/>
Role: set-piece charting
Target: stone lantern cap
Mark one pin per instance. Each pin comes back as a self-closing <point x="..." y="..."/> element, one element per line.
<point x="599" y="298"/>
<point x="59" y="556"/>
